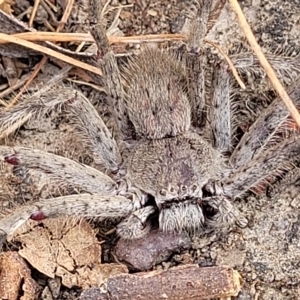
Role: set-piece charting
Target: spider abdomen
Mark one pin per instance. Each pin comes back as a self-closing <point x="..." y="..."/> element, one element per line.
<point x="156" y="100"/>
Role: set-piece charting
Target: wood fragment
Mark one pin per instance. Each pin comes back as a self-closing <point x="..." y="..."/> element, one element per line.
<point x="178" y="283"/>
<point x="33" y="12"/>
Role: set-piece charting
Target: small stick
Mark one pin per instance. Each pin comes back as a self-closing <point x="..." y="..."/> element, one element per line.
<point x="16" y="86"/>
<point x="50" y="52"/>
<point x="65" y="16"/>
<point x="182" y="282"/>
<point x="264" y="62"/>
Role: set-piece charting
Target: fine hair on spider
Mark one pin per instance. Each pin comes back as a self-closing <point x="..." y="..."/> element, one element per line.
<point x="182" y="157"/>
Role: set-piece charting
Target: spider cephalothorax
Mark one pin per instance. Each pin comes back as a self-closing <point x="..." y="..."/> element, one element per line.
<point x="191" y="180"/>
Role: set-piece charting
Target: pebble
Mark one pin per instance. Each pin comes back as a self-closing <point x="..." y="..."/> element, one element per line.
<point x="143" y="254"/>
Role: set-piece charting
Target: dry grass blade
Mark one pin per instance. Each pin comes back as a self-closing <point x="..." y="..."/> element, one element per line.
<point x="230" y="63"/>
<point x="33" y="13"/>
<point x="86" y="37"/>
<point x="47" y="51"/>
<point x="264" y="62"/>
<point x="28" y="82"/>
<point x="45" y="58"/>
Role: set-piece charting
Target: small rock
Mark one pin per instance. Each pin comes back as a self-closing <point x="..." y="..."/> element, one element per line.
<point x="156" y="247"/>
<point x="46" y="294"/>
<point x="231" y="258"/>
<point x="54" y="285"/>
<point x="152" y="12"/>
<point x="93" y="293"/>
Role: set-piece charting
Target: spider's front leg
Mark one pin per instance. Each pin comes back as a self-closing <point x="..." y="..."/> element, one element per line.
<point x="97" y="207"/>
<point x="270" y="163"/>
<point x="105" y="201"/>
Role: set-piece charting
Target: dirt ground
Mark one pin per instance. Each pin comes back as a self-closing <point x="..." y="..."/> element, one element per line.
<point x="267" y="251"/>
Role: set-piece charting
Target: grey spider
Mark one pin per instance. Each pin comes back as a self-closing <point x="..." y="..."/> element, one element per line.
<point x="191" y="180"/>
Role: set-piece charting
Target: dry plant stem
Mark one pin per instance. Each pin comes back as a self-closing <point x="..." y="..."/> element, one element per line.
<point x="53" y="7"/>
<point x="50" y="52"/>
<point x="94" y="86"/>
<point x="16" y="86"/>
<point x="86" y="37"/>
<point x="50" y="12"/>
<point x="264" y="62"/>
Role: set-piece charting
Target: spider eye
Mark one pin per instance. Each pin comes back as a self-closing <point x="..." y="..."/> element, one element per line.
<point x="115" y="171"/>
<point x="163" y="192"/>
<point x="194" y="187"/>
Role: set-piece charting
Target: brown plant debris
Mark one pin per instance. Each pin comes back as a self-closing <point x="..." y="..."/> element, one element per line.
<point x="15" y="278"/>
<point x="183" y="282"/>
<point x="68" y="249"/>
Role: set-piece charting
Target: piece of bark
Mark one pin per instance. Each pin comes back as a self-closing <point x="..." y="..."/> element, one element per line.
<point x="15" y="278"/>
<point x="157" y="246"/>
<point x="178" y="283"/>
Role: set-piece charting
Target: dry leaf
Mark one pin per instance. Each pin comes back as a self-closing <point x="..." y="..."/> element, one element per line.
<point x="62" y="247"/>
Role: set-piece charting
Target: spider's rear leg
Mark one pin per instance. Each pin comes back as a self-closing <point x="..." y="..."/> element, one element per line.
<point x="31" y="107"/>
<point x="219" y="111"/>
<point x="109" y="66"/>
<point x="90" y="127"/>
<point x="202" y="20"/>
<point x="274" y="123"/>
<point x="275" y="159"/>
<point x="97" y="207"/>
<point x="94" y="133"/>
